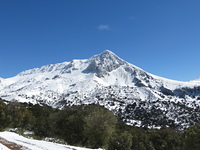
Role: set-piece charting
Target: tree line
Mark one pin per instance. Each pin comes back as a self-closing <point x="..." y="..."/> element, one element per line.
<point x="93" y="126"/>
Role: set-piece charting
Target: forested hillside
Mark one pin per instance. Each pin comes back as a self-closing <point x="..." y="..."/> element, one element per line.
<point x="93" y="126"/>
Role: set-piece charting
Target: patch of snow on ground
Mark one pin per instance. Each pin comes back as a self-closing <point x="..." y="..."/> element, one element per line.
<point x="34" y="144"/>
<point x="2" y="147"/>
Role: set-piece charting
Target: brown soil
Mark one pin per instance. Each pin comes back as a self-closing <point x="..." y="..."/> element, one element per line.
<point x="11" y="145"/>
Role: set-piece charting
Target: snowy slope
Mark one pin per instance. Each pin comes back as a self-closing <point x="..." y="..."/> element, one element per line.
<point x="31" y="144"/>
<point x="81" y="75"/>
<point x="2" y="147"/>
<point x="3" y="83"/>
<point x="196" y="80"/>
<point x="107" y="80"/>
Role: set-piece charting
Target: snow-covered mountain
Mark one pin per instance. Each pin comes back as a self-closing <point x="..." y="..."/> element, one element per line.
<point x="196" y="80"/>
<point x="137" y="97"/>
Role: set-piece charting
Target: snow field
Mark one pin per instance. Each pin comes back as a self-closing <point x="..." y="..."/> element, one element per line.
<point x="32" y="144"/>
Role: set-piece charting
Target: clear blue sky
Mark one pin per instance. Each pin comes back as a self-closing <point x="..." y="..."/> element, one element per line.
<point x="160" y="36"/>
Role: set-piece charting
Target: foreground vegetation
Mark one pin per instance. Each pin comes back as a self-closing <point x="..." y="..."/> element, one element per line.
<point x="95" y="127"/>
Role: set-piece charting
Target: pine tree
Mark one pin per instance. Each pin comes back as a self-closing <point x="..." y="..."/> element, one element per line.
<point x="99" y="125"/>
<point x="191" y="138"/>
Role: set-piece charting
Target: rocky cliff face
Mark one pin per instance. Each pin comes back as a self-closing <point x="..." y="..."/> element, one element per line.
<point x="137" y="97"/>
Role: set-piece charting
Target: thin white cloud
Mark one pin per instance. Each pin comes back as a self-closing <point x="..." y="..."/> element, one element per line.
<point x="103" y="27"/>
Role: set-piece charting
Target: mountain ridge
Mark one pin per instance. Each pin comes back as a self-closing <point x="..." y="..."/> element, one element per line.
<point x="107" y="80"/>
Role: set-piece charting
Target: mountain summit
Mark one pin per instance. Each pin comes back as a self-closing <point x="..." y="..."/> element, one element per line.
<point x="134" y="95"/>
<point x="104" y="63"/>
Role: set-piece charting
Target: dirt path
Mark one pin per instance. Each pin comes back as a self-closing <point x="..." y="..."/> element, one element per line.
<point x="12" y="146"/>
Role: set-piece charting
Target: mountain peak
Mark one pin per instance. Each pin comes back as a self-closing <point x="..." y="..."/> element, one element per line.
<point x="103" y="63"/>
<point x="107" y="55"/>
<point x="108" y="52"/>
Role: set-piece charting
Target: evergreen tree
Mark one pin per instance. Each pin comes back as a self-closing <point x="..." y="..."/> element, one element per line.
<point x="42" y="124"/>
<point x="165" y="139"/>
<point x="120" y="141"/>
<point x="68" y="124"/>
<point x="5" y="120"/>
<point x="99" y="125"/>
<point x="191" y="138"/>
<point x="21" y="116"/>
